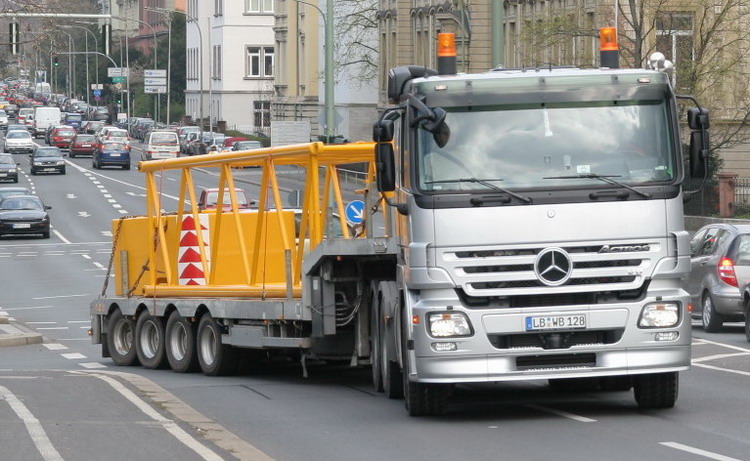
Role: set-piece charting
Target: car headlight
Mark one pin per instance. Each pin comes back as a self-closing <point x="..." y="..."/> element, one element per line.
<point x="448" y="324"/>
<point x="37" y="162"/>
<point x="12" y="170"/>
<point x="60" y="162"/>
<point x="659" y="315"/>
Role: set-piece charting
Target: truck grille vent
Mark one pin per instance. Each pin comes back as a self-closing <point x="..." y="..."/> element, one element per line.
<point x="551" y="299"/>
<point x="555" y="361"/>
<point x="556" y="340"/>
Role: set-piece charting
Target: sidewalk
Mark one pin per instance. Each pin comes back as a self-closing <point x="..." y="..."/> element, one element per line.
<point x="12" y="334"/>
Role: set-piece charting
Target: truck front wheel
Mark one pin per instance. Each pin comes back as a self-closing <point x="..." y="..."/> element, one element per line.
<point x="657" y="390"/>
<point x="215" y="358"/>
<point x="121" y="339"/>
<point x="180" y="344"/>
<point x="149" y="337"/>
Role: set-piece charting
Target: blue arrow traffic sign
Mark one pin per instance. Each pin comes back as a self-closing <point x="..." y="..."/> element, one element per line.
<point x="97" y="92"/>
<point x="355" y="212"/>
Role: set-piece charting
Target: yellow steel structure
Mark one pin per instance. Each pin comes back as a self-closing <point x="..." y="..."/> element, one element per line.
<point x="251" y="253"/>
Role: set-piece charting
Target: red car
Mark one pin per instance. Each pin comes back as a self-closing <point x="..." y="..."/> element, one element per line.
<point x="61" y="136"/>
<point x="82" y="144"/>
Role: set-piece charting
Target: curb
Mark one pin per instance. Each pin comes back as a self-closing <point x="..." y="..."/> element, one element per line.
<point x="10" y="335"/>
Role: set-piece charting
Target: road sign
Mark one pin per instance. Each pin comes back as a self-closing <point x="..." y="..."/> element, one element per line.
<point x="155" y="89"/>
<point x="117" y="71"/>
<point x="97" y="93"/>
<point x="97" y="86"/>
<point x="355" y="212"/>
<point x="118" y="86"/>
<point x="119" y="79"/>
<point x="155" y="73"/>
<point x="155" y="81"/>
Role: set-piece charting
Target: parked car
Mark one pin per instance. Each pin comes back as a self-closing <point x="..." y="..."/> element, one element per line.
<point x="209" y="199"/>
<point x="82" y="144"/>
<point x="61" y="136"/>
<point x="720" y="266"/>
<point x="111" y="154"/>
<point x="17" y="141"/>
<point x="24" y="215"/>
<point x="3" y="120"/>
<point x="8" y="168"/>
<point x="47" y="159"/>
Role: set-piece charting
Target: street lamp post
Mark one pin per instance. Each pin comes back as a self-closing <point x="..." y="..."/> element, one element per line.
<point x="70" y="64"/>
<point x="96" y="56"/>
<point x="200" y="55"/>
<point x="153" y="32"/>
<point x="88" y="100"/>
<point x="330" y="105"/>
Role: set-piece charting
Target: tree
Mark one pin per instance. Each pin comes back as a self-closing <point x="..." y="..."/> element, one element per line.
<point x="356" y="41"/>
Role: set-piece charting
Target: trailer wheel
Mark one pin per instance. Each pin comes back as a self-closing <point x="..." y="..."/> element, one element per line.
<point x="658" y="390"/>
<point x="121" y="339"/>
<point x="215" y="358"/>
<point x="149" y="341"/>
<point x="180" y="344"/>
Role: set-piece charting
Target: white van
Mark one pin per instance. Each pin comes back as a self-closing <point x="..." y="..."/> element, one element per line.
<point x="161" y="144"/>
<point x="45" y="116"/>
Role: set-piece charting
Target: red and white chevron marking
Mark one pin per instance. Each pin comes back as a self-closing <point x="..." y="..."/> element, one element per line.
<point x="189" y="256"/>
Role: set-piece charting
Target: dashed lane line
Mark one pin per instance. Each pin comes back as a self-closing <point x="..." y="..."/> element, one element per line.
<point x="698" y="451"/>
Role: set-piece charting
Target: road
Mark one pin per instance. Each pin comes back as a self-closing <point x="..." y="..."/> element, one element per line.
<point x="62" y="400"/>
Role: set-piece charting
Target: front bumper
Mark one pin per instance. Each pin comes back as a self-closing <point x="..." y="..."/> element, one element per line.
<point x="19" y="149"/>
<point x="12" y="228"/>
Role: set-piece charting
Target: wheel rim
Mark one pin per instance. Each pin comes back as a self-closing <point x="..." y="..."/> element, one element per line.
<point x="178" y="341"/>
<point x="208" y="345"/>
<point x="149" y="339"/>
<point x="123" y="337"/>
<point x="707" y="308"/>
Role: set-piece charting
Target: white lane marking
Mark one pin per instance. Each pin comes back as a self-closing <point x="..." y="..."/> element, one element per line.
<point x="61" y="237"/>
<point x="52" y="328"/>
<point x="84" y="214"/>
<point x="55" y="346"/>
<point x="71" y="196"/>
<point x="107" y="233"/>
<point x="41" y="323"/>
<point x="123" y="211"/>
<point x="28" y="253"/>
<point x="728" y="346"/>
<point x="111" y="200"/>
<point x="92" y="365"/>
<point x="62" y="296"/>
<point x="564" y="414"/>
<point x="28" y="308"/>
<point x="116" y="205"/>
<point x="36" y="431"/>
<point x="698" y="451"/>
<point x="166" y="423"/>
<point x="100" y="266"/>
<point x="86" y="256"/>
<point x="728" y="370"/>
<point x="74" y="356"/>
<point x="79" y="321"/>
<point x="54" y="253"/>
<point x="107" y="195"/>
<point x="719" y="356"/>
<point x="74" y="339"/>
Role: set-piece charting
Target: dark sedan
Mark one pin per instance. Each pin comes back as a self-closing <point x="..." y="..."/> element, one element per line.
<point x="8" y="168"/>
<point x="47" y="160"/>
<point x="82" y="144"/>
<point x="23" y="215"/>
<point x="112" y="154"/>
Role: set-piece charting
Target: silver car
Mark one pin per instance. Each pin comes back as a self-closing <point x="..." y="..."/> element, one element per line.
<point x="720" y="268"/>
<point x="17" y="141"/>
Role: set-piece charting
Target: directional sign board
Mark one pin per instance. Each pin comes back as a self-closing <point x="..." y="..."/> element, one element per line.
<point x="155" y="89"/>
<point x="117" y="71"/>
<point x="155" y="81"/>
<point x="157" y="73"/>
<point x="119" y="79"/>
<point x="355" y="212"/>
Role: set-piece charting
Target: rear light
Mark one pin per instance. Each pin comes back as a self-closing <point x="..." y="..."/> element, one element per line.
<point x="726" y="272"/>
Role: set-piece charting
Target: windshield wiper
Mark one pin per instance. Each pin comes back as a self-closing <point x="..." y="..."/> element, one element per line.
<point x="603" y="178"/>
<point x="486" y="183"/>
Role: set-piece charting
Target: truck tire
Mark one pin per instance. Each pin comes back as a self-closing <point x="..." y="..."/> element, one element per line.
<point x="215" y="358"/>
<point x="121" y="339"/>
<point x="181" y="344"/>
<point x="389" y="368"/>
<point x="657" y="390"/>
<point x="149" y="341"/>
<point x="421" y="399"/>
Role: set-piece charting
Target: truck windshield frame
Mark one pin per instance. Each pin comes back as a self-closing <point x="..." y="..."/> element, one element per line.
<point x="545" y="146"/>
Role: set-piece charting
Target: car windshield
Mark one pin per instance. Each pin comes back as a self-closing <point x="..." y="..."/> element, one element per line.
<point x="549" y="146"/>
<point x="7" y="160"/>
<point x="7" y="191"/>
<point x="85" y="138"/>
<point x="66" y="133"/>
<point x="247" y="145"/>
<point x="212" y="198"/>
<point x="74" y="117"/>
<point x="113" y="146"/>
<point x="47" y="153"/>
<point x="163" y="138"/>
<point x="18" y="134"/>
<point x="3" y="113"/>
<point x="21" y="203"/>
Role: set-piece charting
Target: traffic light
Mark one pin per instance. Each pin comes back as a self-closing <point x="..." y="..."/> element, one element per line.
<point x="56" y="62"/>
<point x="14" y="38"/>
<point x="106" y="38"/>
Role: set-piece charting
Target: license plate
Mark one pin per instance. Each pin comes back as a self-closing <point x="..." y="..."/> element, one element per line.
<point x="21" y="226"/>
<point x="114" y="155"/>
<point x="556" y="322"/>
<point x="50" y="169"/>
<point x="85" y="145"/>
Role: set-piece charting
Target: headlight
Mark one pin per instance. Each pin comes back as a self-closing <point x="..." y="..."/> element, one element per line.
<point x="60" y="162"/>
<point x="659" y="315"/>
<point x="12" y="170"/>
<point x="448" y="324"/>
<point x="37" y="162"/>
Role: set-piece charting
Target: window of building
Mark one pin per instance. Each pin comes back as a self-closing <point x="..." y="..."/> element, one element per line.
<point x="674" y="38"/>
<point x="260" y="61"/>
<point x="259" y="6"/>
<point x="262" y="114"/>
<point x="216" y="63"/>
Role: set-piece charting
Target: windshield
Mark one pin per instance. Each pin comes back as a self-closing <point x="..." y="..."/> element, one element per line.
<point x="47" y="153"/>
<point x="549" y="146"/>
<point x="21" y="203"/>
<point x="17" y="134"/>
<point x="164" y="138"/>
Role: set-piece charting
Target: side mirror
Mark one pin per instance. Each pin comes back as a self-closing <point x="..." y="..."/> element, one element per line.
<point x="698" y="118"/>
<point x="698" y="154"/>
<point x="382" y="131"/>
<point x="386" y="167"/>
<point x="47" y="207"/>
